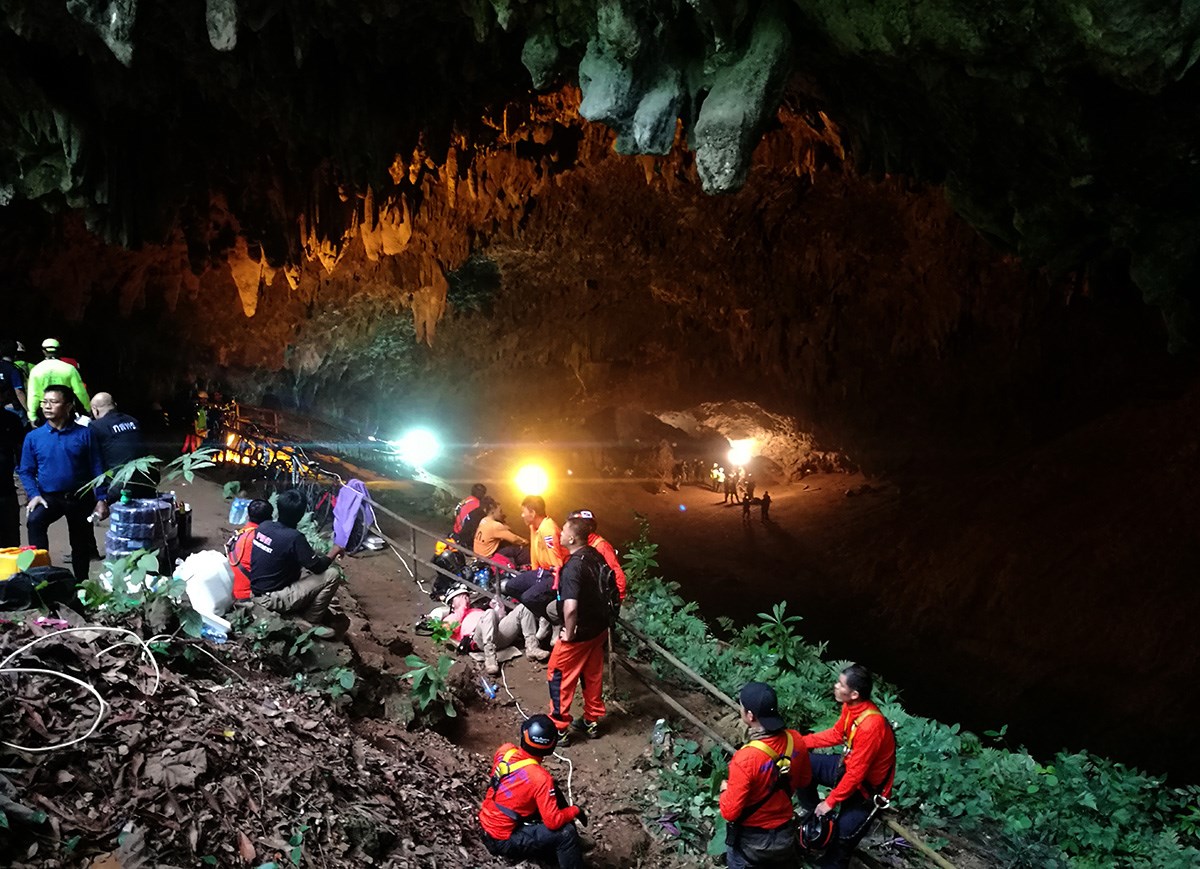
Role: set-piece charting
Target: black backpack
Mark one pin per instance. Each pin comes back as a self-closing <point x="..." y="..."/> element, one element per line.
<point x="40" y="588"/>
<point x="609" y="592"/>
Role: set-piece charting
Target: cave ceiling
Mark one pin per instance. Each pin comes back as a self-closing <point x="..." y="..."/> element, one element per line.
<point x="1061" y="130"/>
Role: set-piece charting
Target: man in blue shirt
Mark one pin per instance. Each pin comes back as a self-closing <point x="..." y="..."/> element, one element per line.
<point x="56" y="460"/>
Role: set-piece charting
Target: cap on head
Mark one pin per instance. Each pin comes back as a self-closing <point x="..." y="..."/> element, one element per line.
<point x="50" y="344"/>
<point x="539" y="735"/>
<point x="759" y="699"/>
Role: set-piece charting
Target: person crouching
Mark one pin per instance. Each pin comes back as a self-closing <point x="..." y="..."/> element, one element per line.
<point x="522" y="815"/>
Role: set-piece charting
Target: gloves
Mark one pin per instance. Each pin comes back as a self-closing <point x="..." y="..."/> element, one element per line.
<point x="466" y="645"/>
<point x="582" y="816"/>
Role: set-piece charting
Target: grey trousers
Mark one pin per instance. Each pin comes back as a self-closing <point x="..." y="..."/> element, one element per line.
<point x="500" y="633"/>
<point x="308" y="597"/>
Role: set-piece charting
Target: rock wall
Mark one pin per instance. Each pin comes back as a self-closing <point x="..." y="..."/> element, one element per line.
<point x="864" y="309"/>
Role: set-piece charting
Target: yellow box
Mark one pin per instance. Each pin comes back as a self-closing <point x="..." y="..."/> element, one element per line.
<point x="8" y="560"/>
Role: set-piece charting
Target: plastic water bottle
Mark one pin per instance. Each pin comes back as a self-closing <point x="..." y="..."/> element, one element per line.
<point x="659" y="737"/>
<point x="213" y="634"/>
<point x="489" y="689"/>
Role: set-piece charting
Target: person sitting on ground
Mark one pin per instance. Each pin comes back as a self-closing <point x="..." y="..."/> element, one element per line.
<point x="492" y="532"/>
<point x="484" y="630"/>
<point x="238" y="547"/>
<point x="606" y="549"/>
<point x="578" y="656"/>
<point x="523" y="816"/>
<point x="120" y="438"/>
<point x="277" y="555"/>
<point x="465" y="535"/>
<point x="53" y="370"/>
<point x="464" y="507"/>
<point x="536" y="586"/>
<point x="756" y="798"/>
<point x="861" y="777"/>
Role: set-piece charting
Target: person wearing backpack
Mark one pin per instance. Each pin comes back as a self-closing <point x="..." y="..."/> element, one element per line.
<point x="523" y="816"/>
<point x="578" y="656"/>
<point x="861" y="777"/>
<point x="756" y="798"/>
<point x="602" y="546"/>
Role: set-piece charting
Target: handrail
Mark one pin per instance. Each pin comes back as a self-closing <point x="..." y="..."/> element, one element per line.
<point x="412" y="549"/>
<point x="712" y="689"/>
<point x="704" y="683"/>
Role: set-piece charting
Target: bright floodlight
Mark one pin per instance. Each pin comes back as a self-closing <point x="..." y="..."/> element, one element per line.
<point x="418" y="447"/>
<point x="741" y="452"/>
<point x="532" y="480"/>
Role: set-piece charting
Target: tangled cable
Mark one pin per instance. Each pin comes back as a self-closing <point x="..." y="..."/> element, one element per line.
<point x="41" y="671"/>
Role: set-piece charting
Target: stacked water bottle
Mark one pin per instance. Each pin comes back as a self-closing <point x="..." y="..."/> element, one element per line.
<point x="143" y="523"/>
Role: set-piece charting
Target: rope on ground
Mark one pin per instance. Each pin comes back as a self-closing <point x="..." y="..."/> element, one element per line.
<point x="149" y="655"/>
<point x="100" y="713"/>
<point x="564" y="758"/>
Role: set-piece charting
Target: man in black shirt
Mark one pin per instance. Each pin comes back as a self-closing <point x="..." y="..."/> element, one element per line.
<point x="120" y="439"/>
<point x="278" y="554"/>
<point x="578" y="656"/>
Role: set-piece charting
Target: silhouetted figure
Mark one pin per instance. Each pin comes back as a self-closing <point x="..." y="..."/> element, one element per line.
<point x="745" y="509"/>
<point x="764" y="506"/>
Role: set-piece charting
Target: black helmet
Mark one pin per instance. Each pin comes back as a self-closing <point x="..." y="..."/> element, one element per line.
<point x="816" y="833"/>
<point x="539" y="735"/>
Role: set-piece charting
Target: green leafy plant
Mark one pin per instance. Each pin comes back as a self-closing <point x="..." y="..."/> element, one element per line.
<point x="430" y="682"/>
<point x="184" y="466"/>
<point x="1078" y="810"/>
<point x="440" y="631"/>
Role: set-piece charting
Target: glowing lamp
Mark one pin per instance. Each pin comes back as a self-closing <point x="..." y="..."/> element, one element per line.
<point x="532" y="480"/>
<point x="418" y="447"/>
<point x="741" y="452"/>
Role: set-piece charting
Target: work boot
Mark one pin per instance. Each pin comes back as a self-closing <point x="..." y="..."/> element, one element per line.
<point x="490" y="665"/>
<point x="543" y="630"/>
<point x="534" y="652"/>
<point x="583" y="727"/>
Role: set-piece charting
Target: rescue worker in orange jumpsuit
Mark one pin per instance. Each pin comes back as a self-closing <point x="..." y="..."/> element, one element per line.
<point x="465" y="506"/>
<point x="756" y="798"/>
<point x="522" y="815"/>
<point x="237" y="549"/>
<point x="578" y="656"/>
<point x="861" y="777"/>
<point x="535" y="587"/>
<point x="546" y="551"/>
<point x="606" y="549"/>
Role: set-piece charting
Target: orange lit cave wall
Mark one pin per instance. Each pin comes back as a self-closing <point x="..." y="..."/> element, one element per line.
<point x="862" y="306"/>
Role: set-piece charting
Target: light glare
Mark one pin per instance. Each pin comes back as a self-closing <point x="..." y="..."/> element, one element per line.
<point x="532" y="480"/>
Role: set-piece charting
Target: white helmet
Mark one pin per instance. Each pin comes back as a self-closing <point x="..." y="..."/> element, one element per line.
<point x="453" y="592"/>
